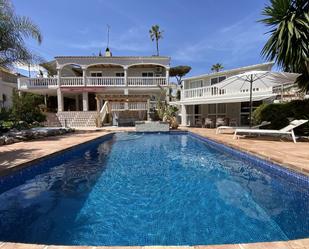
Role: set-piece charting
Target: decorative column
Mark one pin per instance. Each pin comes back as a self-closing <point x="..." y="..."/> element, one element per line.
<point x="84" y="76"/>
<point x="60" y="100"/>
<point x="167" y="75"/>
<point x="125" y="76"/>
<point x="58" y="76"/>
<point x="183" y="115"/>
<point x="98" y="103"/>
<point x="85" y="101"/>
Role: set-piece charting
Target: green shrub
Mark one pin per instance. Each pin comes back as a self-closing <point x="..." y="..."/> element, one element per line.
<point x="281" y="114"/>
<point x="26" y="108"/>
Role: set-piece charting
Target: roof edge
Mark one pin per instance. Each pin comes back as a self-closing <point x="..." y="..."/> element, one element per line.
<point x="229" y="70"/>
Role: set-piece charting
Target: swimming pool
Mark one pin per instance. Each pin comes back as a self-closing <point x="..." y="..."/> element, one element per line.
<point x="153" y="189"/>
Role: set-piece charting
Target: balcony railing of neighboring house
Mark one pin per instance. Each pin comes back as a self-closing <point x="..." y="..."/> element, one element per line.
<point x="25" y="83"/>
<point x="105" y="81"/>
<point x="215" y="92"/>
<point x="28" y="83"/>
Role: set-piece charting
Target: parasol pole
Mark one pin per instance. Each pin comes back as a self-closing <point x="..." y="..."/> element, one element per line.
<point x="250" y="112"/>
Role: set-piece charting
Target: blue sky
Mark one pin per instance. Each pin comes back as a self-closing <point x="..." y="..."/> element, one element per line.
<point x="198" y="33"/>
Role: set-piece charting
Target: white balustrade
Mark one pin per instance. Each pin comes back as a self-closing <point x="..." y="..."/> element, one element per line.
<point x="117" y="106"/>
<point x="25" y="83"/>
<point x="137" y="105"/>
<point x="146" y="81"/>
<point x="71" y="81"/>
<point x="214" y="92"/>
<point x="121" y="106"/>
<point x="105" y="81"/>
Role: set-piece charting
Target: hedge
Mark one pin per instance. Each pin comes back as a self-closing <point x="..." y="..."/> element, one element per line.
<point x="280" y="115"/>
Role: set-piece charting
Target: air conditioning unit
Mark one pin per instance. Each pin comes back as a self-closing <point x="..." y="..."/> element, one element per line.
<point x="159" y="69"/>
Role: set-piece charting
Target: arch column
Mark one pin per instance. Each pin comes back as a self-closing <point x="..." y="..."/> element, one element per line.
<point x="125" y="76"/>
<point x="167" y="75"/>
<point x="183" y="115"/>
<point x="59" y="100"/>
<point x="84" y="76"/>
<point x="85" y="102"/>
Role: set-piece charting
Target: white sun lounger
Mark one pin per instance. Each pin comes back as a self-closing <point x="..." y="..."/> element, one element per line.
<point x="220" y="129"/>
<point x="288" y="130"/>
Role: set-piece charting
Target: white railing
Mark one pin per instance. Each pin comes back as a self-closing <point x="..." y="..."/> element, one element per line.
<point x="105" y="81"/>
<point x="117" y="106"/>
<point x="24" y="83"/>
<point x="122" y="106"/>
<point x="27" y="83"/>
<point x="137" y="105"/>
<point x="71" y="81"/>
<point x="146" y="81"/>
<point x="214" y="92"/>
<point x="104" y="111"/>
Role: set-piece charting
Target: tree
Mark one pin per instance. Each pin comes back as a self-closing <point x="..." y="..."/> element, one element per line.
<point x="217" y="67"/>
<point x="156" y="34"/>
<point x="178" y="72"/>
<point x="13" y="30"/>
<point x="289" y="37"/>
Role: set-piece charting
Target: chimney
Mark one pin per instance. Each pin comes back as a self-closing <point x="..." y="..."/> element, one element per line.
<point x="108" y="53"/>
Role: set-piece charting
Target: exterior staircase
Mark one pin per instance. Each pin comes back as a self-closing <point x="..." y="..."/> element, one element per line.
<point x="51" y="120"/>
<point x="78" y="119"/>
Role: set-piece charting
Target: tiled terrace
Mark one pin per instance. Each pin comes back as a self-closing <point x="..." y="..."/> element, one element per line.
<point x="292" y="155"/>
<point x="18" y="154"/>
<point x="285" y="153"/>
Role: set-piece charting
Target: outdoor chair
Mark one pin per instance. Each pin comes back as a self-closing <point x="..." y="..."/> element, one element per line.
<point x="288" y="130"/>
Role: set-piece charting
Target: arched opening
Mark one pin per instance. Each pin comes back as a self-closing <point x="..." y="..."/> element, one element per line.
<point x="105" y="70"/>
<point x="146" y="75"/>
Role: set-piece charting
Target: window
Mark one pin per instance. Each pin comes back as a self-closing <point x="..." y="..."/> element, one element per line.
<point x="221" y="78"/>
<point x="221" y="108"/>
<point x="96" y="74"/>
<point x="147" y="74"/>
<point x="213" y="81"/>
<point x="217" y="80"/>
<point x="212" y="109"/>
<point x="120" y="74"/>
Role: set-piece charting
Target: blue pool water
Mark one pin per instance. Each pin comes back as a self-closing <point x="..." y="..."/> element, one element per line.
<point x="154" y="189"/>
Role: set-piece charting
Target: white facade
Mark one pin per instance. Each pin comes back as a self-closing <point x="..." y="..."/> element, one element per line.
<point x="127" y="82"/>
<point x="202" y="99"/>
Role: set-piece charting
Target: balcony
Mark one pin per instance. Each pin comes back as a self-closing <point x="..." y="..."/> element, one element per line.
<point x="52" y="83"/>
<point x="213" y="94"/>
<point x="123" y="106"/>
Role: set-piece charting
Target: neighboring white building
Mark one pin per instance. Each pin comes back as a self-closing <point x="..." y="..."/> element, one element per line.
<point x="123" y="86"/>
<point x="201" y="99"/>
<point x="8" y="82"/>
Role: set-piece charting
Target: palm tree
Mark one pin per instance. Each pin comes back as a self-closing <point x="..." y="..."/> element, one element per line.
<point x="217" y="67"/>
<point x="289" y="38"/>
<point x="156" y="34"/>
<point x="13" y="30"/>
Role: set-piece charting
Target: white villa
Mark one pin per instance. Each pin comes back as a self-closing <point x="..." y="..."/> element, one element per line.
<point x="202" y="99"/>
<point x="90" y="90"/>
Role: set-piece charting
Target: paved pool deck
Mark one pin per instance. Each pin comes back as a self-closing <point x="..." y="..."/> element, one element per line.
<point x="295" y="156"/>
<point x="14" y="156"/>
<point x="283" y="152"/>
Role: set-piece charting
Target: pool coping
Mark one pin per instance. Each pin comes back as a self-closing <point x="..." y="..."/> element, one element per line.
<point x="289" y="244"/>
